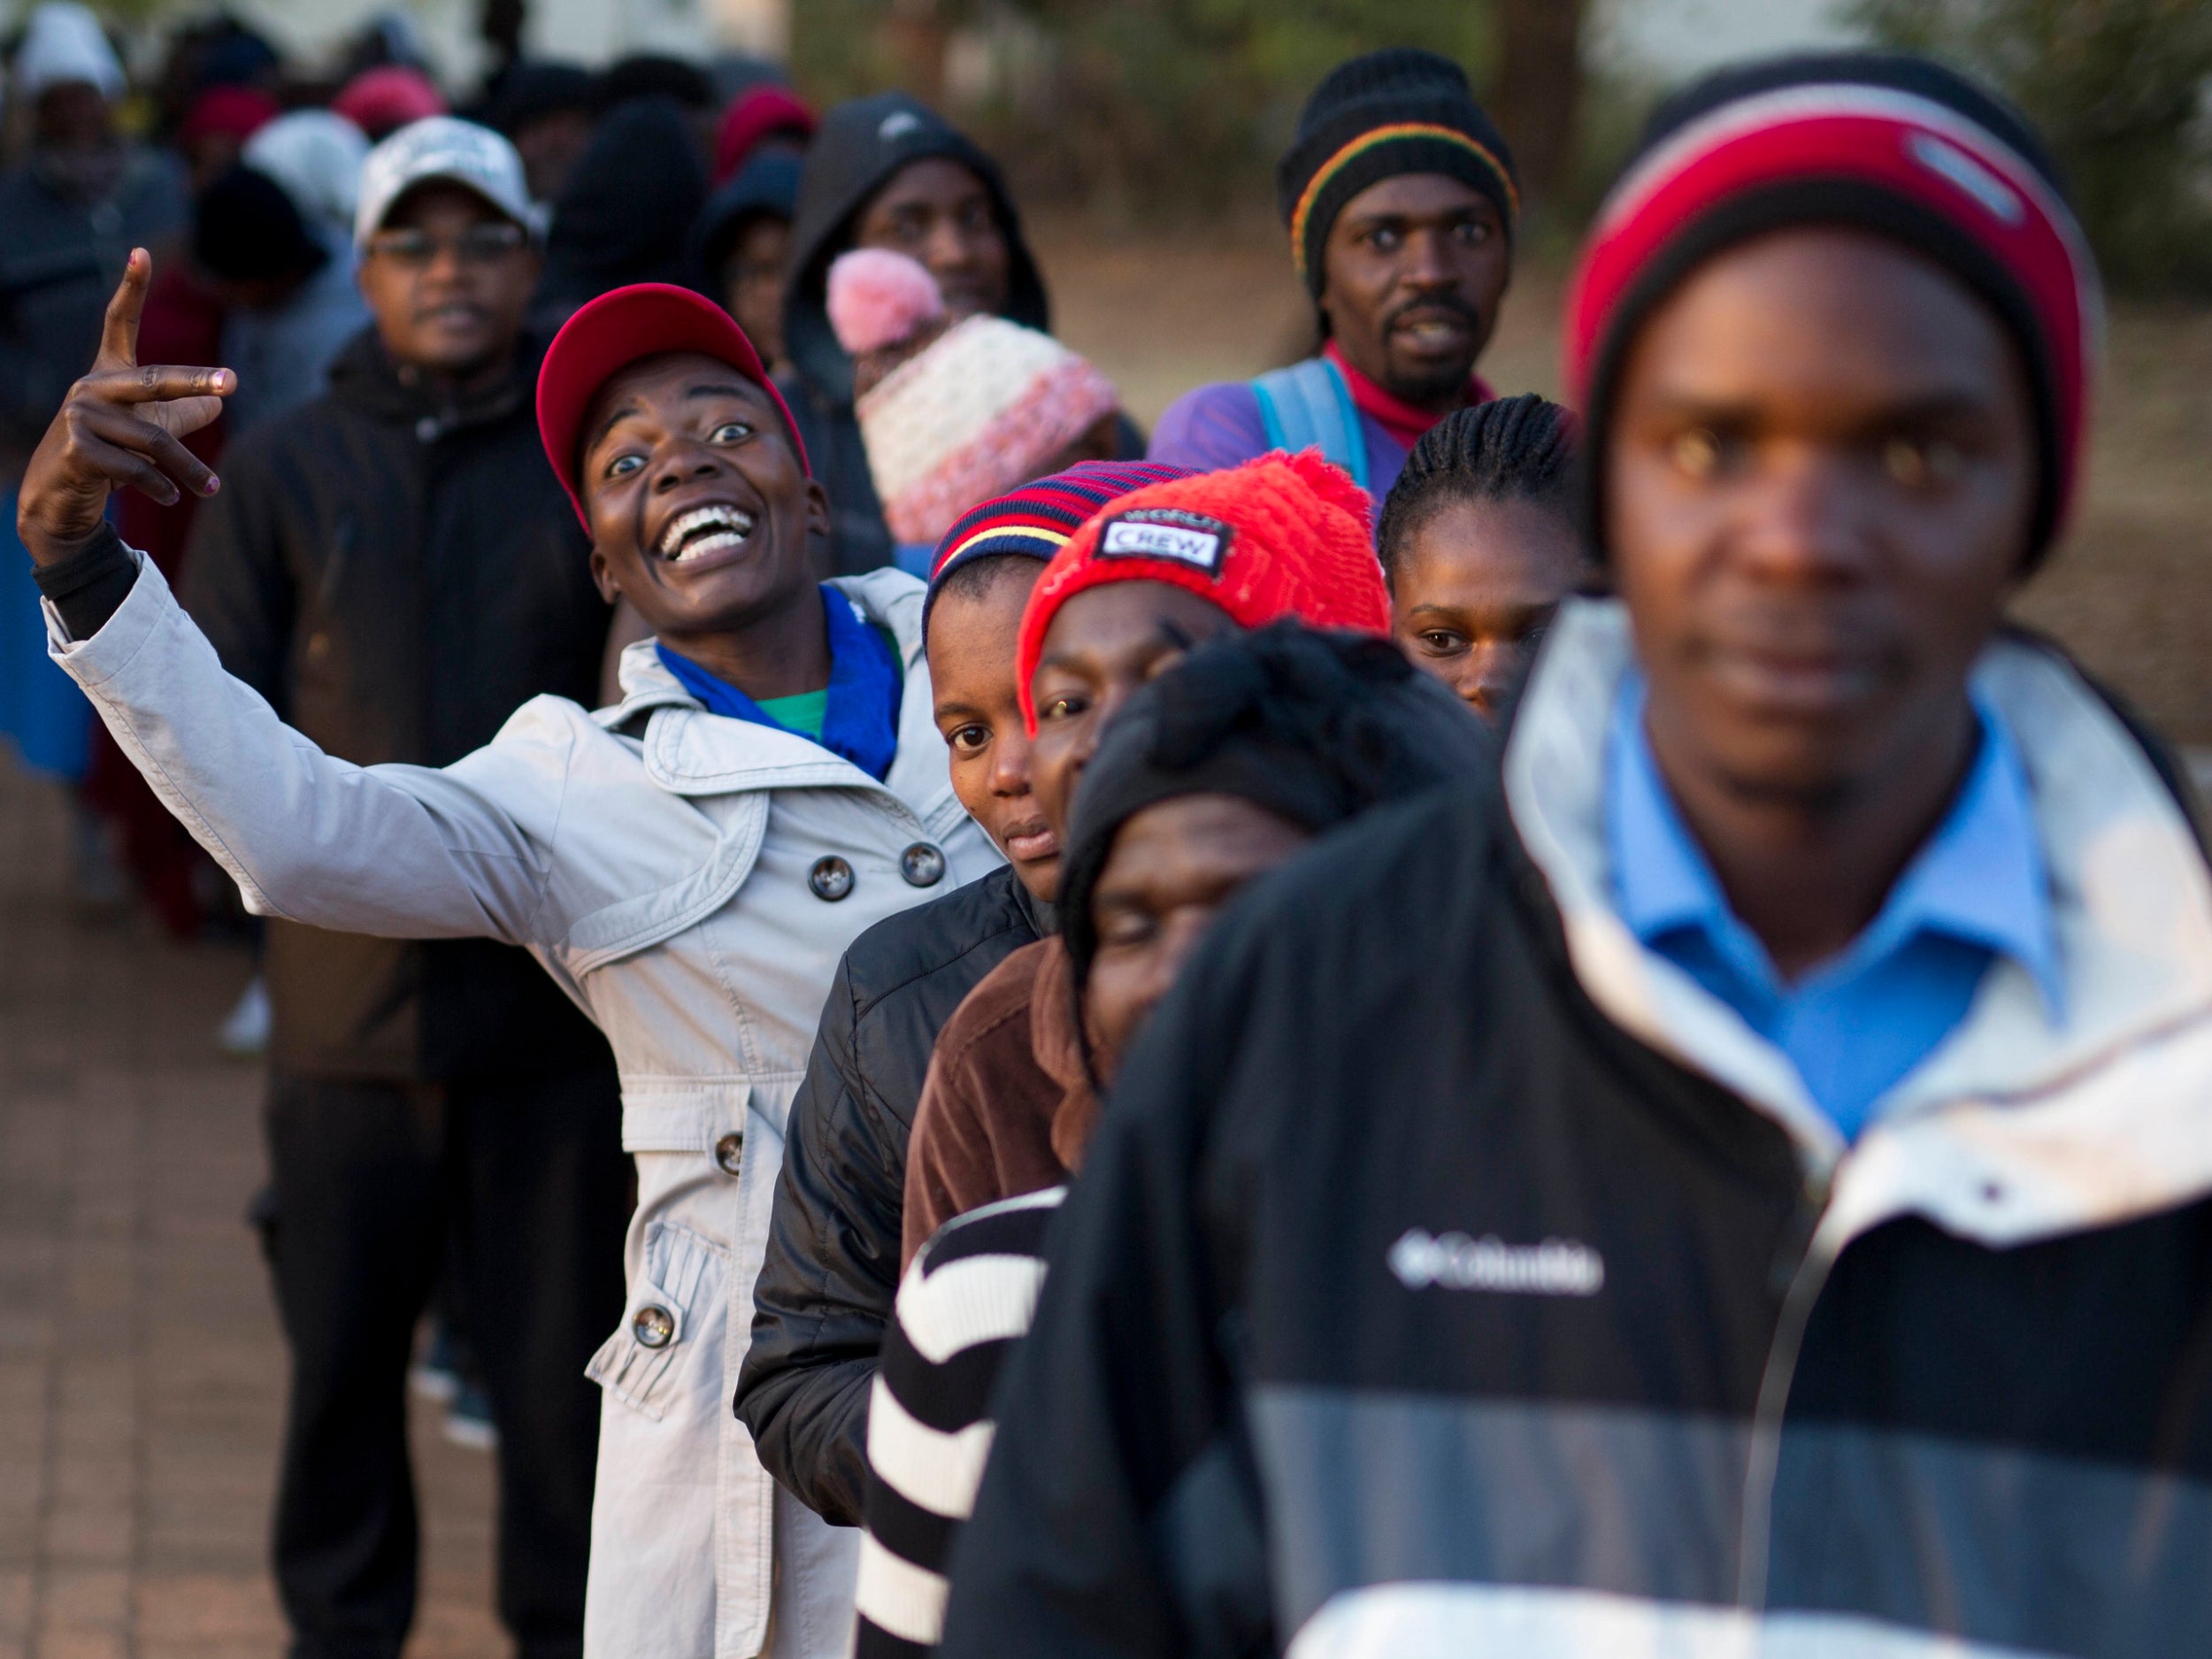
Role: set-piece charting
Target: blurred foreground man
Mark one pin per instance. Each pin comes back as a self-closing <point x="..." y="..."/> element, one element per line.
<point x="1743" y="1182"/>
<point x="1401" y="202"/>
<point x="392" y="566"/>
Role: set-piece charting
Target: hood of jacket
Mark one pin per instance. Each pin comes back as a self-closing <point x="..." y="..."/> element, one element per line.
<point x="2015" y="1127"/>
<point x="626" y="213"/>
<point x="766" y="185"/>
<point x="364" y="376"/>
<point x="858" y="147"/>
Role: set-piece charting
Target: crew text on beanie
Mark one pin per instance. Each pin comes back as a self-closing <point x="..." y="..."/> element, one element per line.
<point x="1389" y="112"/>
<point x="1282" y="535"/>
<point x="1891" y="144"/>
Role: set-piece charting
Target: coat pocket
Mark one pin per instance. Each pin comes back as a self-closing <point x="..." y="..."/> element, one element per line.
<point x="679" y="1306"/>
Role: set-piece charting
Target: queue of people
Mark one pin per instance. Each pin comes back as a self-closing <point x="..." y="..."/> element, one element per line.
<point x="1402" y="1022"/>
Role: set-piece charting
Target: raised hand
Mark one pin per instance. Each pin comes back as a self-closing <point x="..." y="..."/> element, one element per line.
<point x="120" y="424"/>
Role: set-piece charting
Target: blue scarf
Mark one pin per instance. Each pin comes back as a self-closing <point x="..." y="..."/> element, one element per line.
<point x="861" y="721"/>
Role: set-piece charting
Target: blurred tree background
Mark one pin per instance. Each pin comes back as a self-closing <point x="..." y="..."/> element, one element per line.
<point x="1143" y="109"/>
<point x="1149" y="110"/>
<point x="2120" y="89"/>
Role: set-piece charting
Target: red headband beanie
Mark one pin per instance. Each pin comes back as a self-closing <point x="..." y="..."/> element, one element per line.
<point x="623" y="326"/>
<point x="1040" y="518"/>
<point x="1285" y="536"/>
<point x="1886" y="143"/>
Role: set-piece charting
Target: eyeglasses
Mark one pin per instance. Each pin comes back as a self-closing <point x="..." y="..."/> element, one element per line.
<point x="417" y="249"/>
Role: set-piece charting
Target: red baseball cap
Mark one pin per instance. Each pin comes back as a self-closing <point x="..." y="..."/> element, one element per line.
<point x="618" y="329"/>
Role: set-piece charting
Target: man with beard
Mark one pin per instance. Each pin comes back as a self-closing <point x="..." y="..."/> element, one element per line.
<point x="1401" y="198"/>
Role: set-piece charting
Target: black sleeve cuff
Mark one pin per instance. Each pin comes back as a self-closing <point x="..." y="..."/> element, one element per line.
<point x="90" y="584"/>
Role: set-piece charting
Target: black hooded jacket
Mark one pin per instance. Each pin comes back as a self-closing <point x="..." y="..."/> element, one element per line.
<point x="626" y="212"/>
<point x="823" y="1299"/>
<point x="397" y="575"/>
<point x="858" y="148"/>
<point x="1447" y="1277"/>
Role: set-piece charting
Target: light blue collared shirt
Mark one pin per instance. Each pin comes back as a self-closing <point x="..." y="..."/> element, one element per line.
<point x="1859" y="1022"/>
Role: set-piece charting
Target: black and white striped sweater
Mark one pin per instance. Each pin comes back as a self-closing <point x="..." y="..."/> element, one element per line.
<point x="966" y="1300"/>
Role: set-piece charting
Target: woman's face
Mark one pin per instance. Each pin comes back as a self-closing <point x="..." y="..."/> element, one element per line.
<point x="699" y="506"/>
<point x="1473" y="587"/>
<point x="1171" y="868"/>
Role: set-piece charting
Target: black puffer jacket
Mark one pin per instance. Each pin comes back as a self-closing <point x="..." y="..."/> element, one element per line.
<point x="396" y="576"/>
<point x="859" y="147"/>
<point x="824" y="1296"/>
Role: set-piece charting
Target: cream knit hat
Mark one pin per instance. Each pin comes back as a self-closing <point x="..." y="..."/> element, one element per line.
<point x="978" y="409"/>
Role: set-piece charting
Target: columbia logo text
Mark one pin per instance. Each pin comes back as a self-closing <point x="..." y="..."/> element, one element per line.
<point x="1557" y="1267"/>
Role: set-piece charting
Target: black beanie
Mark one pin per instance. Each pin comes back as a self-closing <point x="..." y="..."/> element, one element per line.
<point x="1314" y="727"/>
<point x="247" y="230"/>
<point x="1393" y="112"/>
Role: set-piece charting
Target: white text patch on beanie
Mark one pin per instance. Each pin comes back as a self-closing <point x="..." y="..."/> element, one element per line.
<point x="1166" y="532"/>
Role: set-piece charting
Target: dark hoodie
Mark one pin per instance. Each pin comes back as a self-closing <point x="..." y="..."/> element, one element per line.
<point x="627" y="214"/>
<point x="397" y="574"/>
<point x="767" y="186"/>
<point x="858" y="148"/>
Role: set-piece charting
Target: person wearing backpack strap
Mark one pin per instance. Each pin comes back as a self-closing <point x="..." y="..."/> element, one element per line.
<point x="1402" y="201"/>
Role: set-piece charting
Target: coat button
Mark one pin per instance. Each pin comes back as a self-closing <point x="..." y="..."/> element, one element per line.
<point x="729" y="1153"/>
<point x="832" y="879"/>
<point x="654" y="1327"/>
<point x="922" y="865"/>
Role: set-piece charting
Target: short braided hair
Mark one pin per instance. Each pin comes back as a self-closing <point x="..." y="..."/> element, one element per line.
<point x="1509" y="448"/>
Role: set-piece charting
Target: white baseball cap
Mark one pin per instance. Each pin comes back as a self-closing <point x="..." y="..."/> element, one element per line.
<point x="448" y="150"/>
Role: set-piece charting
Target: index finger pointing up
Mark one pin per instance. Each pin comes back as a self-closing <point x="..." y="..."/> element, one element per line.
<point x="119" y="334"/>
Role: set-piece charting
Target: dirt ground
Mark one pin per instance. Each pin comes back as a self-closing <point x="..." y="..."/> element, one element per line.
<point x="2127" y="590"/>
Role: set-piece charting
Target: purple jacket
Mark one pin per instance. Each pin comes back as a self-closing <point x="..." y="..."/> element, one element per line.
<point x="1219" y="426"/>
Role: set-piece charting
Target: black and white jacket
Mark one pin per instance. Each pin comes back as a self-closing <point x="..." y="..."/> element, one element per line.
<point x="1498" y="1291"/>
<point x="966" y="1299"/>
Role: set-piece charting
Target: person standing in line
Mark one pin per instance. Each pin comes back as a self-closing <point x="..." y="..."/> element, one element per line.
<point x="1217" y="772"/>
<point x="1783" y="1100"/>
<point x="291" y="301"/>
<point x="1403" y="204"/>
<point x="823" y="1295"/>
<point x="739" y="244"/>
<point x="1480" y="545"/>
<point x="888" y="172"/>
<point x="70" y="211"/>
<point x="688" y="866"/>
<point x="1136" y="589"/>
<point x="392" y="568"/>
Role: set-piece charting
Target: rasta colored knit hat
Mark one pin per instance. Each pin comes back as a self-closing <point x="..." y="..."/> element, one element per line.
<point x="1314" y="728"/>
<point x="1884" y="142"/>
<point x="1389" y="112"/>
<point x="1040" y="518"/>
<point x="1282" y="535"/>
<point x="623" y="326"/>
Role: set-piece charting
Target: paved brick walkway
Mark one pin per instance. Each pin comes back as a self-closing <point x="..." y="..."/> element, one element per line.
<point x="141" y="1369"/>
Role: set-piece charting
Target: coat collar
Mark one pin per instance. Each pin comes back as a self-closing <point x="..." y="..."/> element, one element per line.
<point x="2016" y="1125"/>
<point x="691" y="752"/>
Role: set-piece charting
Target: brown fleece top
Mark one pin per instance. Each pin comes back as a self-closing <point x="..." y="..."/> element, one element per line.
<point x="1007" y="1107"/>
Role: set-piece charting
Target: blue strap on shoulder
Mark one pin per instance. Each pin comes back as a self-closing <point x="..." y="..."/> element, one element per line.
<point x="1308" y="405"/>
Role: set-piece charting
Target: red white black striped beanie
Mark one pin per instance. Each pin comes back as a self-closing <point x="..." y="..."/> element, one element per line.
<point x="1886" y="143"/>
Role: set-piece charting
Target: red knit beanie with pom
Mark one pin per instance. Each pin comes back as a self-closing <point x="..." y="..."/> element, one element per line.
<point x="1285" y="536"/>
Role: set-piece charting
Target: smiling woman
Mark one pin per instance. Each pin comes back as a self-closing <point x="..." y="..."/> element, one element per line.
<point x="688" y="867"/>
